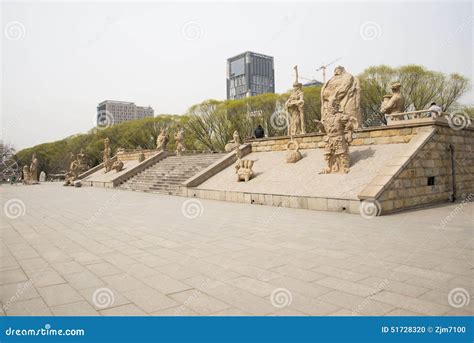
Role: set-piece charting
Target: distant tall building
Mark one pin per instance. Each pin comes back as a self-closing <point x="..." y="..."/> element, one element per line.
<point x="111" y="112"/>
<point x="249" y="74"/>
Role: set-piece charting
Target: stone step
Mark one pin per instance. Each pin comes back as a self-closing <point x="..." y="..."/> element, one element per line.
<point x="167" y="175"/>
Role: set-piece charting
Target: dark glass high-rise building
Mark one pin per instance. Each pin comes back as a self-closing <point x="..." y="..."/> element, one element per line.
<point x="249" y="74"/>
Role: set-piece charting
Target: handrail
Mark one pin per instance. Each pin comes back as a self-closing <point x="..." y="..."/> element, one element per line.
<point x="160" y="155"/>
<point x="414" y="112"/>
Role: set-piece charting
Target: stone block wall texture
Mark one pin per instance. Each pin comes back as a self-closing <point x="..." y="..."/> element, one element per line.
<point x="133" y="155"/>
<point x="369" y="136"/>
<point x="409" y="187"/>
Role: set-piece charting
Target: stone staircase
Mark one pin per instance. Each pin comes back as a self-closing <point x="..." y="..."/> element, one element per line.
<point x="166" y="176"/>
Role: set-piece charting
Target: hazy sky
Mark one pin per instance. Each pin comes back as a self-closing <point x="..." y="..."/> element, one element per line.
<point x="60" y="59"/>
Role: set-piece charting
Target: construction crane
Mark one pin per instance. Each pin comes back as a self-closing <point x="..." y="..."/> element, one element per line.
<point x="324" y="66"/>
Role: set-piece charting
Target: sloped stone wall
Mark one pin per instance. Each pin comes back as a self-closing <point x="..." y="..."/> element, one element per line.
<point x="427" y="178"/>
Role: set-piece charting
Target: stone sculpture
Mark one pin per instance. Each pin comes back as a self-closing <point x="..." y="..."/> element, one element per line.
<point x="244" y="170"/>
<point x="294" y="154"/>
<point x="393" y="103"/>
<point x="106" y="156"/>
<point x="294" y="107"/>
<point x="42" y="177"/>
<point x="117" y="166"/>
<point x="73" y="172"/>
<point x="82" y="164"/>
<point x="34" y="169"/>
<point x="141" y="155"/>
<point x="26" y="175"/>
<point x="342" y="89"/>
<point x="162" y="140"/>
<point x="339" y="128"/>
<point x="179" y="139"/>
<point x="232" y="145"/>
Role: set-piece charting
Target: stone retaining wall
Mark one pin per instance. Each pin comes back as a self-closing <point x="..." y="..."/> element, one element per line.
<point x="133" y="155"/>
<point x="401" y="133"/>
<point x="409" y="187"/>
<point x="279" y="200"/>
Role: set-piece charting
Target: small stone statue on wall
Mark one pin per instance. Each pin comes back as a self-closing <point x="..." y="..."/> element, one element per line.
<point x="162" y="140"/>
<point x="179" y="139"/>
<point x="393" y="103"/>
<point x="106" y="156"/>
<point x="232" y="145"/>
<point x="339" y="128"/>
<point x="295" y="108"/>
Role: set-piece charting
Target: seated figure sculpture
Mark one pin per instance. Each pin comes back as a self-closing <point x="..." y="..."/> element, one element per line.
<point x="393" y="103"/>
<point x="339" y="128"/>
<point x="117" y="166"/>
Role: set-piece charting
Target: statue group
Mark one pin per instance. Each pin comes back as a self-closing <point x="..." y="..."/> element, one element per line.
<point x="30" y="173"/>
<point x="163" y="140"/>
<point x="340" y="116"/>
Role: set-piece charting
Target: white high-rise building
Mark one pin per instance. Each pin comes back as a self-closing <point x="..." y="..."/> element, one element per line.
<point x="111" y="112"/>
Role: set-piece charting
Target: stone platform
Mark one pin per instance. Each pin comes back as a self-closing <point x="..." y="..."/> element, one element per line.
<point x="274" y="176"/>
<point x="398" y="167"/>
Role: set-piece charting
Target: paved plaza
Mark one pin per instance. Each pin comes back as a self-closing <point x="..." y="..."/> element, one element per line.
<point x="95" y="251"/>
